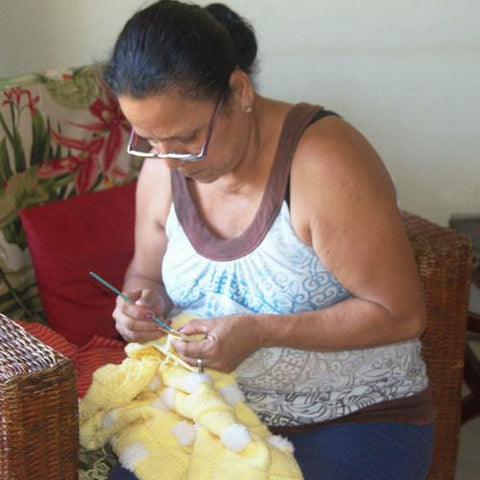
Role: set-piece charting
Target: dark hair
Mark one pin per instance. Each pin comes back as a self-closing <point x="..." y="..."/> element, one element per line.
<point x="175" y="44"/>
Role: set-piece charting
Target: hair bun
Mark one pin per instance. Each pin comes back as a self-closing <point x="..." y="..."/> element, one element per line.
<point x="240" y="31"/>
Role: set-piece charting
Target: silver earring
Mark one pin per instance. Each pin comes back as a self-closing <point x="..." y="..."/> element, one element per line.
<point x="247" y="109"/>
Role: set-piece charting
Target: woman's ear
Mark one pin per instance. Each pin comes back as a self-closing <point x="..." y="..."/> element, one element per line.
<point x="242" y="89"/>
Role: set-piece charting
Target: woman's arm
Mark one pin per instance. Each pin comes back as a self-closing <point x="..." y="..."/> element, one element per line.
<point x="143" y="282"/>
<point x="344" y="205"/>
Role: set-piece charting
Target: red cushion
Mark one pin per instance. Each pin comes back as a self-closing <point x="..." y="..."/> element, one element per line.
<point x="96" y="353"/>
<point x="69" y="238"/>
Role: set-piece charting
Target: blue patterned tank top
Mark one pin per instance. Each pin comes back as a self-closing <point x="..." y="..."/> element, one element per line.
<point x="269" y="270"/>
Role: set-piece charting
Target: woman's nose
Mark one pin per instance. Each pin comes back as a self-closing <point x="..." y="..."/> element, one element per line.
<point x="160" y="147"/>
<point x="171" y="163"/>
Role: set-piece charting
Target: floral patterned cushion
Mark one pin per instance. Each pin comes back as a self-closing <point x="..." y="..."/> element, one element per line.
<point x="61" y="134"/>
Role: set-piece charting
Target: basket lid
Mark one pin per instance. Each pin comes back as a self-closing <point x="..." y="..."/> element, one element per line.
<point x="21" y="353"/>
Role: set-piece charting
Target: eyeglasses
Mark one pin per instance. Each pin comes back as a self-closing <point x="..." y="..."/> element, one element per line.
<point x="185" y="157"/>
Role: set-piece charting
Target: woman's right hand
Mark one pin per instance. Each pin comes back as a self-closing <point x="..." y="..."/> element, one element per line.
<point x="134" y="320"/>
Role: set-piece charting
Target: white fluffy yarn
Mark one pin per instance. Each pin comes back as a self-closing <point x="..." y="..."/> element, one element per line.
<point x="160" y="404"/>
<point x="194" y="380"/>
<point x="281" y="443"/>
<point x="184" y="432"/>
<point x="236" y="437"/>
<point x="155" y="383"/>
<point x="132" y="454"/>
<point x="232" y="394"/>
<point x="168" y="397"/>
<point x="109" y="420"/>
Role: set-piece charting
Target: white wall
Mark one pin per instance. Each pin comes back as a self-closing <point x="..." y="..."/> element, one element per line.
<point x="405" y="73"/>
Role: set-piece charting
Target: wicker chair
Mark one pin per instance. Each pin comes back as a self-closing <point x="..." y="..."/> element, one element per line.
<point x="444" y="259"/>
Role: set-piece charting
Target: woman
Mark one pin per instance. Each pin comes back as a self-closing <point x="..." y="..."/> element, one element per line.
<point x="277" y="225"/>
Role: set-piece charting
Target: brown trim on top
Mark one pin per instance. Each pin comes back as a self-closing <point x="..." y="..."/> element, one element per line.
<point x="211" y="246"/>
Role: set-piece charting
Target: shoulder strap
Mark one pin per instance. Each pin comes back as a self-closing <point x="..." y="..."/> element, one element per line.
<point x="298" y="119"/>
<point x="317" y="116"/>
<point x="222" y="249"/>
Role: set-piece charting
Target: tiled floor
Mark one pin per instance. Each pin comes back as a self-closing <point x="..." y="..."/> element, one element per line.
<point x="468" y="464"/>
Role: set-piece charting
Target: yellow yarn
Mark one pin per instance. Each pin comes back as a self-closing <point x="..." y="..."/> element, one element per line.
<point x="165" y="422"/>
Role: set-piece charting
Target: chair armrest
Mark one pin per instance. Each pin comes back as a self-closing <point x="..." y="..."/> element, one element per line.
<point x="444" y="259"/>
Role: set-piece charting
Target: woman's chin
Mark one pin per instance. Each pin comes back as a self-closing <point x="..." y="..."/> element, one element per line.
<point x="200" y="176"/>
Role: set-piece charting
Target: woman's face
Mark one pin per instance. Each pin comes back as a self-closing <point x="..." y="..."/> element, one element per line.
<point x="170" y="122"/>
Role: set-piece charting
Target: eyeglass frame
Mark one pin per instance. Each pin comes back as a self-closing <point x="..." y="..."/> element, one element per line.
<point x="185" y="157"/>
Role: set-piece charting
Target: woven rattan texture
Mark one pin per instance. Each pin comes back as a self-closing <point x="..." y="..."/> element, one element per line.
<point x="444" y="258"/>
<point x="38" y="409"/>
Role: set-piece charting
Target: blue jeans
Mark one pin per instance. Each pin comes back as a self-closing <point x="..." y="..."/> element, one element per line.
<point x="365" y="451"/>
<point x="357" y="451"/>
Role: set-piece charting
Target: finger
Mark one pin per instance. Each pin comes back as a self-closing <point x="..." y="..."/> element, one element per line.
<point x="155" y="303"/>
<point x="149" y="299"/>
<point x="197" y="326"/>
<point x="138" y="313"/>
<point x="130" y="296"/>
<point x="138" y="324"/>
<point x="198" y="349"/>
<point x="205" y="363"/>
<point x="140" y="337"/>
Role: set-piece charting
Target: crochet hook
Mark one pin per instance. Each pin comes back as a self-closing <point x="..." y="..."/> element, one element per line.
<point x="162" y="324"/>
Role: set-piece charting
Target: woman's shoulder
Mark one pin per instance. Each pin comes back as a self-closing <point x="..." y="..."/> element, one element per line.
<point x="333" y="151"/>
<point x="154" y="190"/>
<point x="328" y="141"/>
<point x="337" y="180"/>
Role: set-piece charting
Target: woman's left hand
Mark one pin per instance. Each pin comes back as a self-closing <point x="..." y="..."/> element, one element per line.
<point x="228" y="341"/>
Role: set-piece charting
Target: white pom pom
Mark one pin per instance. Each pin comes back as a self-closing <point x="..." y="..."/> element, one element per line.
<point x="113" y="440"/>
<point x="194" y="380"/>
<point x="155" y="383"/>
<point x="160" y="404"/>
<point x="168" y="397"/>
<point x="184" y="432"/>
<point x="281" y="443"/>
<point x="132" y="454"/>
<point x="109" y="420"/>
<point x="232" y="394"/>
<point x="236" y="437"/>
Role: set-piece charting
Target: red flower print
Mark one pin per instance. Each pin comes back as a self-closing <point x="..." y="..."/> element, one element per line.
<point x="14" y="97"/>
<point x="85" y="163"/>
<point x="111" y="121"/>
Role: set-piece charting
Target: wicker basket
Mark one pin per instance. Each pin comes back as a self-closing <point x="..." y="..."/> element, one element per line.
<point x="38" y="408"/>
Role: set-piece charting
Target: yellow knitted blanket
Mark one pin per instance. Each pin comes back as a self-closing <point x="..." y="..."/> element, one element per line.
<point x="165" y="420"/>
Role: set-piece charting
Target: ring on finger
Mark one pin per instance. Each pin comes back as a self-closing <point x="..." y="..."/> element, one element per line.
<point x="200" y="365"/>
